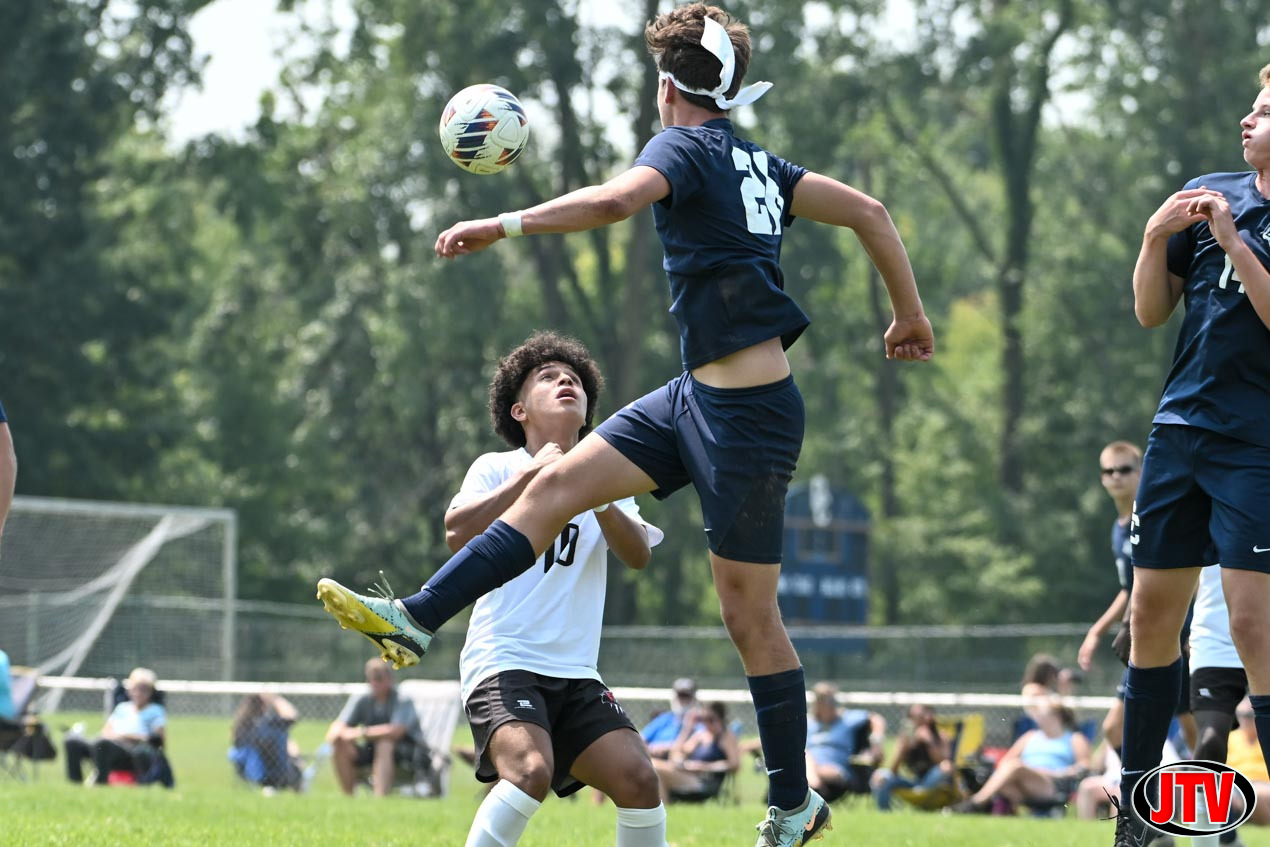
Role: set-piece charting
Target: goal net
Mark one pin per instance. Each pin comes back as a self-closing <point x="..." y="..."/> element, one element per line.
<point x="94" y="589"/>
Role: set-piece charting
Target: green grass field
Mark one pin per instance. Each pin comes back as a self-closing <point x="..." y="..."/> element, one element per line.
<point x="210" y="807"/>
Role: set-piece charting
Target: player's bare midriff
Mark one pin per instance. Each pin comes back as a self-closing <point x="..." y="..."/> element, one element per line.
<point x="760" y="364"/>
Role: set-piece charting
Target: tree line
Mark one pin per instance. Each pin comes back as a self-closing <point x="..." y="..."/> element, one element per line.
<point x="259" y="322"/>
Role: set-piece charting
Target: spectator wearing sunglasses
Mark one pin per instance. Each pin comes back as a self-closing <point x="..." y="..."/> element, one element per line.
<point x="1119" y="468"/>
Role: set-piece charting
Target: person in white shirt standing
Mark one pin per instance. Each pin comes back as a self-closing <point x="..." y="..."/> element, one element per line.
<point x="541" y="716"/>
<point x="1218" y="681"/>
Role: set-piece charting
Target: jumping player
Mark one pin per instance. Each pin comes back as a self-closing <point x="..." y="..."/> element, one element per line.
<point x="731" y="424"/>
<point x="1205" y="491"/>
<point x="541" y="716"/>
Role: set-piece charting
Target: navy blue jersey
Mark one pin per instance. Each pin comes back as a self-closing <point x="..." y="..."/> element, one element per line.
<point x="2" y="417"/>
<point x="1220" y="379"/>
<point x="1122" y="550"/>
<point x="720" y="228"/>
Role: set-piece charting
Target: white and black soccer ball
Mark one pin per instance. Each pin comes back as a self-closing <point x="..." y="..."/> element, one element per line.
<point x="484" y="129"/>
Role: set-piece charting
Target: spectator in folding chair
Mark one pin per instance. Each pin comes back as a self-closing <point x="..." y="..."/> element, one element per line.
<point x="131" y="742"/>
<point x="844" y="747"/>
<point x="8" y="709"/>
<point x="263" y="751"/>
<point x="22" y="735"/>
<point x="663" y="729"/>
<point x="377" y="733"/>
<point x="1041" y="769"/>
<point x="702" y="759"/>
<point x="922" y="759"/>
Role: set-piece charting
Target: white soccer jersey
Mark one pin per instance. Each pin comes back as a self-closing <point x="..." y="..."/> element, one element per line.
<point x="1211" y="645"/>
<point x="547" y="620"/>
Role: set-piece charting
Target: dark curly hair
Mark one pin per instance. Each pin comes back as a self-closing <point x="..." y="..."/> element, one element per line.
<point x="509" y="378"/>
<point x="674" y="40"/>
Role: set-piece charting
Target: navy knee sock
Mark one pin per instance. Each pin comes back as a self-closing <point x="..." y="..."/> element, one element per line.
<point x="1150" y="698"/>
<point x="780" y="704"/>
<point x="496" y="556"/>
<point x="1261" y="716"/>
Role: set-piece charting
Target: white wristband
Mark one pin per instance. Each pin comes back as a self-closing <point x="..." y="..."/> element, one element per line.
<point x="511" y="224"/>
<point x="599" y="509"/>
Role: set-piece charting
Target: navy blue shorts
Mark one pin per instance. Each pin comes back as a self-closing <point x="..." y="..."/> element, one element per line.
<point x="1204" y="498"/>
<point x="737" y="446"/>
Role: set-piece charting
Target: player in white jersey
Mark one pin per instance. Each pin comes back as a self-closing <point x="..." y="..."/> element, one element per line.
<point x="541" y="716"/>
<point x="1218" y="681"/>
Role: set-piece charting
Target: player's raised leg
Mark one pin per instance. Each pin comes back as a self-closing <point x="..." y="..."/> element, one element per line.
<point x="617" y="764"/>
<point x="747" y="602"/>
<point x="590" y="475"/>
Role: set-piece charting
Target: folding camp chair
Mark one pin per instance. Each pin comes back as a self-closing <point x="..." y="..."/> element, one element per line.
<point x="966" y="735"/>
<point x="24" y="741"/>
<point x="438" y="706"/>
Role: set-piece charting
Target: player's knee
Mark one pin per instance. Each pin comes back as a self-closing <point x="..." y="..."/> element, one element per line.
<point x="1250" y="632"/>
<point x="550" y="493"/>
<point x="531" y="774"/>
<point x="640" y="789"/>
<point x="747" y="615"/>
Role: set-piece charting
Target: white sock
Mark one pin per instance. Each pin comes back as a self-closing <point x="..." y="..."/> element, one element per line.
<point x="502" y="817"/>
<point x="641" y="827"/>
<point x="1201" y="808"/>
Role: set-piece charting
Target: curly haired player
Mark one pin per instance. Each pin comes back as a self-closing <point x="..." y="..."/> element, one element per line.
<point x="732" y="423"/>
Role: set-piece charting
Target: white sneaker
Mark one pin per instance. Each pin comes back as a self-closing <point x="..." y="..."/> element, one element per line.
<point x="796" y="827"/>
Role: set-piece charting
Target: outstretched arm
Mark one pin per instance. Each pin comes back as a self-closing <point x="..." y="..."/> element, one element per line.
<point x="586" y="208"/>
<point x="826" y="200"/>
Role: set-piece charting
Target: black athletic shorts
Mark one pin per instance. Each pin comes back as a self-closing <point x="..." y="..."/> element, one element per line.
<point x="737" y="446"/>
<point x="575" y="713"/>
<point x="1218" y="689"/>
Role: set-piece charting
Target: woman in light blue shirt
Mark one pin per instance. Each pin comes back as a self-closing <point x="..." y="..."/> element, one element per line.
<point x="1045" y="764"/>
<point x="128" y="740"/>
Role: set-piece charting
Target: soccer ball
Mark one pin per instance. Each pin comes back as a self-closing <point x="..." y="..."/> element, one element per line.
<point x="484" y="129"/>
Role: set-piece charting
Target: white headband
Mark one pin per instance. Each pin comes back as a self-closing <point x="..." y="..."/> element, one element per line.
<point x="715" y="39"/>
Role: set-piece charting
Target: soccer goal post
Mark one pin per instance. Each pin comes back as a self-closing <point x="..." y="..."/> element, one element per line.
<point x="92" y="588"/>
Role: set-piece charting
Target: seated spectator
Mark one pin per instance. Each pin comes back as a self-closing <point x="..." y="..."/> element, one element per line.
<point x="377" y="729"/>
<point x="8" y="709"/>
<point x="131" y="739"/>
<point x="843" y="746"/>
<point x="698" y="762"/>
<point x="921" y="758"/>
<point x="1044" y="764"/>
<point x="1042" y="679"/>
<point x="263" y="752"/>
<point x="1243" y="753"/>
<point x="661" y="733"/>
<point x="1095" y="792"/>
